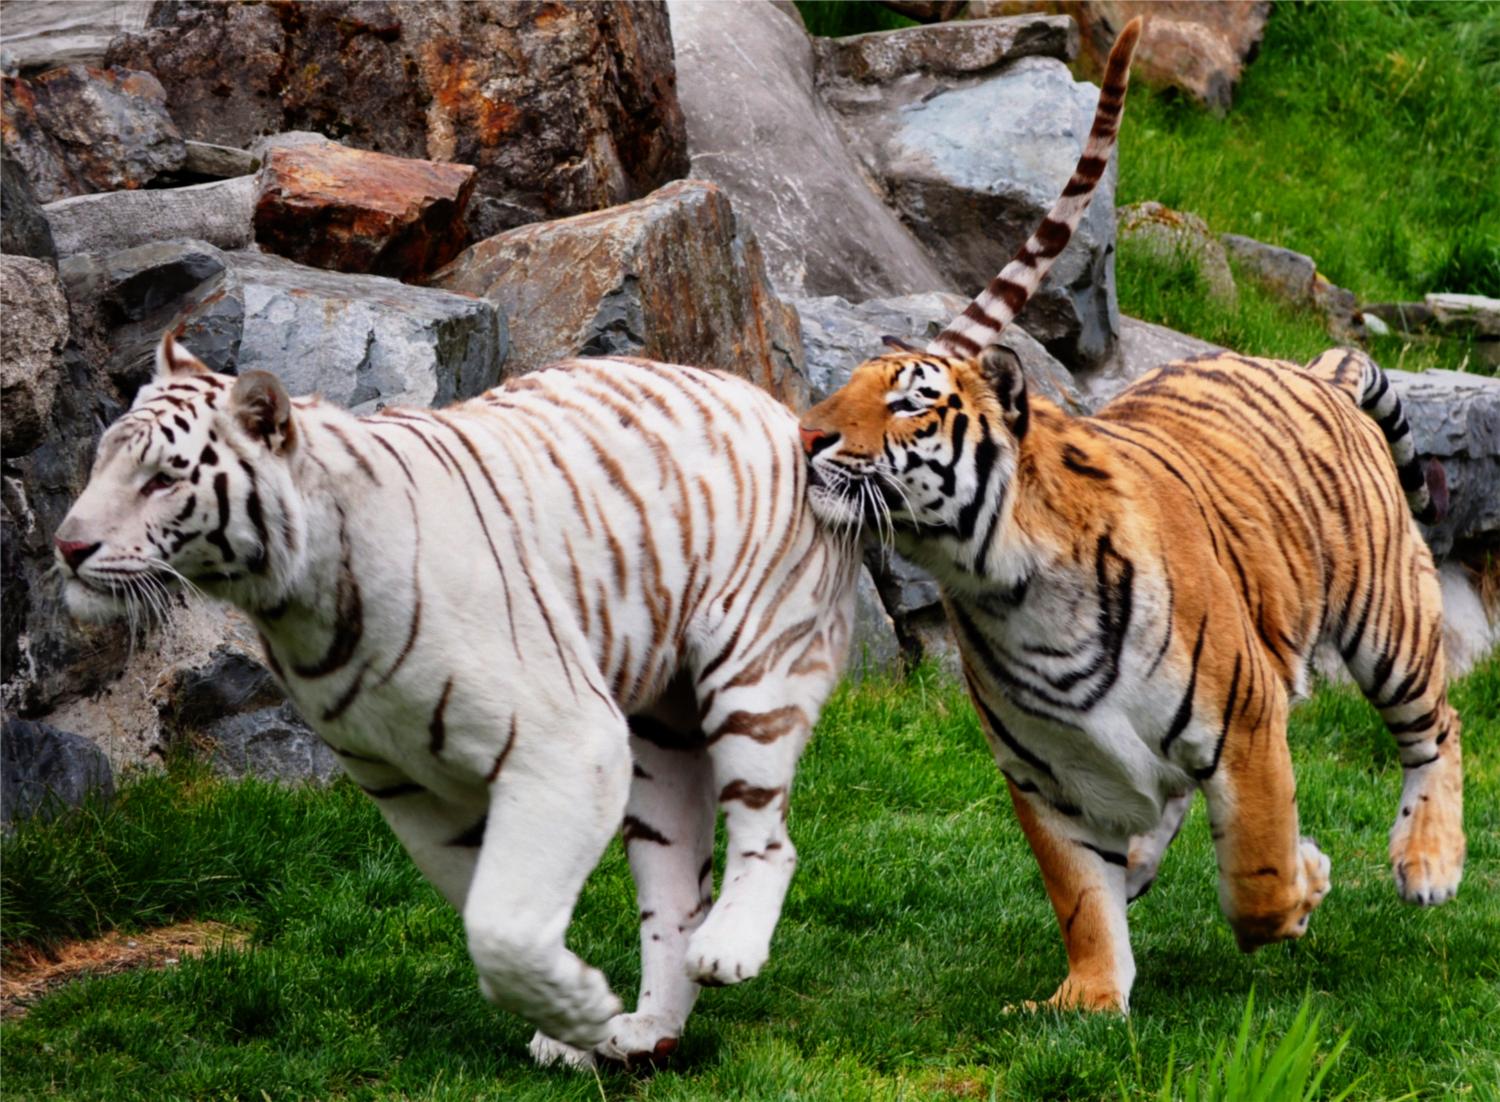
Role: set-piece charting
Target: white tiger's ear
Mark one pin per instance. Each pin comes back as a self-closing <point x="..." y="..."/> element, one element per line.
<point x="260" y="404"/>
<point x="173" y="359"/>
<point x="1001" y="369"/>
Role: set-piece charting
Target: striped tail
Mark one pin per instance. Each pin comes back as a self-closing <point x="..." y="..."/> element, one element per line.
<point x="983" y="319"/>
<point x="1426" y="488"/>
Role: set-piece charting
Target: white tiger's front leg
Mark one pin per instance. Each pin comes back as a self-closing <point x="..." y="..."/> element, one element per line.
<point x="553" y="809"/>
<point x="754" y="755"/>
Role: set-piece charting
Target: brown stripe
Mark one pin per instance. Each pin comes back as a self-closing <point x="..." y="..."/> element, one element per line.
<point x="633" y="830"/>
<point x="1051" y="237"/>
<point x="748" y="794"/>
<point x="489" y="778"/>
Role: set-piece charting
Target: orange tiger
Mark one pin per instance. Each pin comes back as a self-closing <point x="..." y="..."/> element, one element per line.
<point x="1137" y="595"/>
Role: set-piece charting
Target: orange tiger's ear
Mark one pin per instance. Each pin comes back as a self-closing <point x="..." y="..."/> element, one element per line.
<point x="173" y="359"/>
<point x="260" y="404"/>
<point x="1001" y="370"/>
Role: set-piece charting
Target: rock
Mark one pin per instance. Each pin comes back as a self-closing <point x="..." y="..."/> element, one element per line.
<point x="778" y="153"/>
<point x="1405" y="317"/>
<point x="1464" y="315"/>
<point x="273" y="744"/>
<point x="956" y="49"/>
<point x="1141" y="347"/>
<point x="1178" y="237"/>
<point x="670" y="277"/>
<point x="1287" y="274"/>
<point x="80" y="130"/>
<point x="43" y="770"/>
<point x="1455" y="418"/>
<point x="229" y="682"/>
<point x="217" y="162"/>
<point x="562" y="108"/>
<point x="23" y="226"/>
<point x="355" y="211"/>
<point x="219" y="213"/>
<point x="361" y="341"/>
<point x="40" y="34"/>
<point x="31" y="346"/>
<point x="974" y="164"/>
<point x="874" y="649"/>
<point x="838" y="336"/>
<point x="1199" y="48"/>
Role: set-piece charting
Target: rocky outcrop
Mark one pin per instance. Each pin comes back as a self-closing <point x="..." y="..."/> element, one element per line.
<point x="1142" y="346"/>
<point x="43" y="770"/>
<point x="973" y="163"/>
<point x="355" y="211"/>
<point x="361" y="341"/>
<point x="219" y="213"/>
<point x="1201" y="49"/>
<point x="23" y="226"/>
<point x="1295" y="279"/>
<point x="962" y="49"/>
<point x="1178" y="237"/>
<point x="80" y="130"/>
<point x="757" y="127"/>
<point x="672" y="277"/>
<point x="561" y="108"/>
<point x="31" y="346"/>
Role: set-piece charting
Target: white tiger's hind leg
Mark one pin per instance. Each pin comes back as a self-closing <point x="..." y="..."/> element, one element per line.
<point x="1146" y="850"/>
<point x="754" y="755"/>
<point x="552" y="811"/>
<point x="669" y="835"/>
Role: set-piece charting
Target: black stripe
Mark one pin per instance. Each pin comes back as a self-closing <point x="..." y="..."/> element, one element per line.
<point x="474" y="836"/>
<point x="1109" y="855"/>
<point x="389" y="792"/>
<point x="1002" y="733"/>
<point x="1234" y="684"/>
<point x="1184" y="713"/>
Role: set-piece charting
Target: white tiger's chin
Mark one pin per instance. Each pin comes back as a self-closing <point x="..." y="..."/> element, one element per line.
<point x="88" y="605"/>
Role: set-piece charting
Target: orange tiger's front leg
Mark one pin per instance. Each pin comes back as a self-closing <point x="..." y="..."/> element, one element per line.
<point x="1085" y="879"/>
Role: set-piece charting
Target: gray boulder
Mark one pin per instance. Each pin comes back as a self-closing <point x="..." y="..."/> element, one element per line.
<point x="874" y="649"/>
<point x="219" y="213"/>
<point x="79" y="130"/>
<point x="1142" y="346"/>
<point x="974" y="163"/>
<point x="23" y="225"/>
<point x="31" y="346"/>
<point x="361" y="341"/>
<point x="951" y="49"/>
<point x="838" y="336"/>
<point x="1455" y="418"/>
<point x="43" y="34"/>
<point x="43" y="770"/>
<point x="757" y="128"/>
<point x="273" y="744"/>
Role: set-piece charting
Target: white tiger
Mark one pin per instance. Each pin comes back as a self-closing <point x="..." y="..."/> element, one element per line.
<point x="596" y="594"/>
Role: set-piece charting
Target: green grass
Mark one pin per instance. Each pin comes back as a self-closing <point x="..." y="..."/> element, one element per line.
<point x="917" y="917"/>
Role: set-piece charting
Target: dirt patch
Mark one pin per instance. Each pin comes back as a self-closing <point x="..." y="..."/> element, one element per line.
<point x="30" y="973"/>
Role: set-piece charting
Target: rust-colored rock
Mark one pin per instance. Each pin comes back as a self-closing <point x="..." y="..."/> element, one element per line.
<point x="351" y="210"/>
<point x="80" y="130"/>
<point x="1198" y="46"/>
<point x="670" y="277"/>
<point x="562" y="107"/>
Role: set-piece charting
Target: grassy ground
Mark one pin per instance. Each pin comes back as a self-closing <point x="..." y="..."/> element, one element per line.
<point x="916" y="919"/>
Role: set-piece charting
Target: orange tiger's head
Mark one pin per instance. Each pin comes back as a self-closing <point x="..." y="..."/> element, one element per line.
<point x="922" y="441"/>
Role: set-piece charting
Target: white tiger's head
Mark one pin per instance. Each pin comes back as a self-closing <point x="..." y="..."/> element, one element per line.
<point x="193" y="484"/>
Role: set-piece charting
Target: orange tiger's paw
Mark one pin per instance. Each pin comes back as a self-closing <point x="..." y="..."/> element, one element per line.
<point x="1427" y="855"/>
<point x="1079" y="994"/>
<point x="1285" y="916"/>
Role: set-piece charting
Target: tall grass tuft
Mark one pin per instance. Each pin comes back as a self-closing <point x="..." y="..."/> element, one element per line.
<point x="1253" y="1071"/>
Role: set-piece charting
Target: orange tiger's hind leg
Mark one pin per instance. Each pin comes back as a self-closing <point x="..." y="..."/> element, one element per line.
<point x="1270" y="878"/>
<point x="1085" y="880"/>
<point x="1398" y="663"/>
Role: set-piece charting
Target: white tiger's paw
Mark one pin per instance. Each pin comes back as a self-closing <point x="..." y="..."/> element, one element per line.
<point x="546" y="1052"/>
<point x="721" y="952"/>
<point x="640" y="1040"/>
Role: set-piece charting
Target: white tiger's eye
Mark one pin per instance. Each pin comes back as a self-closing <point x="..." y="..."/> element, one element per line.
<point x="158" y="482"/>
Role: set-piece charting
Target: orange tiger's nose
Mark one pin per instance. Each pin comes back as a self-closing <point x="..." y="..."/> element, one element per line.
<point x="815" y="440"/>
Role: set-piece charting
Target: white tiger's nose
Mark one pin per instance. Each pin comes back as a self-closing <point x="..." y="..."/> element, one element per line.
<point x="74" y="552"/>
